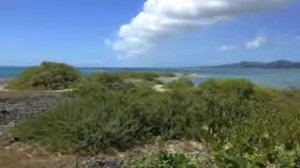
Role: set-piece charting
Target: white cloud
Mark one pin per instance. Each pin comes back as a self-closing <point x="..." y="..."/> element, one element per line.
<point x="163" y="18"/>
<point x="257" y="42"/>
<point x="229" y="47"/>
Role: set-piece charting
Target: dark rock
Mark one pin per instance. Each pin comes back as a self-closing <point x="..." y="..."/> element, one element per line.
<point x="3" y="112"/>
<point x="298" y="163"/>
<point x="102" y="162"/>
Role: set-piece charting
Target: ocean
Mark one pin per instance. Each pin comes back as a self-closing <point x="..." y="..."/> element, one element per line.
<point x="275" y="78"/>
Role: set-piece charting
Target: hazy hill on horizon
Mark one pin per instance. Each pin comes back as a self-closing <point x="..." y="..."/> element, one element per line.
<point x="280" y="64"/>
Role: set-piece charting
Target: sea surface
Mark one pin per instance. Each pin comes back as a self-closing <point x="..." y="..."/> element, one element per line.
<point x="275" y="78"/>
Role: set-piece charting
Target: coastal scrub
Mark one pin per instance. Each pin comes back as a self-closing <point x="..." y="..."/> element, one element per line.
<point x="244" y="124"/>
<point x="47" y="76"/>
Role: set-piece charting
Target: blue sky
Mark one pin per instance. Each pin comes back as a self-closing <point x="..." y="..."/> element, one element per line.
<point x="90" y="33"/>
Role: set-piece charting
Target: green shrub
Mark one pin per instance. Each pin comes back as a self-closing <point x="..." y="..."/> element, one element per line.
<point x="270" y="138"/>
<point x="97" y="83"/>
<point x="225" y="104"/>
<point x="82" y="125"/>
<point x="112" y="119"/>
<point x="48" y="76"/>
<point x="180" y="83"/>
<point x="161" y="160"/>
<point x="182" y="86"/>
<point x="147" y="76"/>
<point x="141" y="75"/>
<point x="244" y="124"/>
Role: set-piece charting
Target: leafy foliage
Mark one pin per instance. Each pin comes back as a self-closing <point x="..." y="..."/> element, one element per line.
<point x="48" y="76"/>
<point x="250" y="126"/>
<point x="146" y="76"/>
<point x="161" y="160"/>
<point x="103" y="115"/>
<point x="246" y="125"/>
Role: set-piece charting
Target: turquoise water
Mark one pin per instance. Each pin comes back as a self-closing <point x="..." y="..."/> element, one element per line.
<point x="276" y="78"/>
<point x="7" y="73"/>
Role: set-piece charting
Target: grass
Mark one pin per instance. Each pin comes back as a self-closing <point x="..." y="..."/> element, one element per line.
<point x="245" y="125"/>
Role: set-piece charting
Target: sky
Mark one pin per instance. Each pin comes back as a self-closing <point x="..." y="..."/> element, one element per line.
<point x="148" y="33"/>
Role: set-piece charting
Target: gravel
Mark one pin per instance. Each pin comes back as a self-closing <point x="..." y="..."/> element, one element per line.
<point x="13" y="110"/>
<point x="101" y="162"/>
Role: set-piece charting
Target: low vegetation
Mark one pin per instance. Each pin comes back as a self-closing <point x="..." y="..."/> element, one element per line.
<point x="162" y="160"/>
<point x="245" y="125"/>
<point x="47" y="76"/>
<point x="141" y="75"/>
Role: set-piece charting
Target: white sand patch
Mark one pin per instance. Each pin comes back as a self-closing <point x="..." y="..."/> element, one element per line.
<point x="160" y="88"/>
<point x="3" y="88"/>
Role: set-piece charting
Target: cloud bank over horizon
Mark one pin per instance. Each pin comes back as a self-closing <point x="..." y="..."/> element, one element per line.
<point x="160" y="19"/>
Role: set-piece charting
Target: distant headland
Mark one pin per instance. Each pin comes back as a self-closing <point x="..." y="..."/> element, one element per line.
<point x="280" y="64"/>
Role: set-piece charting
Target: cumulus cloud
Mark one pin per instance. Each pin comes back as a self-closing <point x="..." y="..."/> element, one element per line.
<point x="163" y="18"/>
<point x="257" y="42"/>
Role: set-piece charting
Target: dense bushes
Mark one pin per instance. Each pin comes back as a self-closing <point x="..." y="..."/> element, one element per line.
<point x="140" y="75"/>
<point x="146" y="76"/>
<point x="162" y="160"/>
<point x="111" y="119"/>
<point x="249" y="126"/>
<point x="47" y="76"/>
<point x="245" y="125"/>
